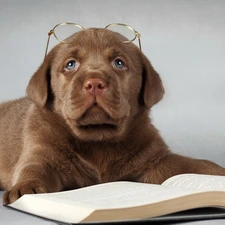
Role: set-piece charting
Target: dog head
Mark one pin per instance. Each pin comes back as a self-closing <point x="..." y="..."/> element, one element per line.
<point x="96" y="83"/>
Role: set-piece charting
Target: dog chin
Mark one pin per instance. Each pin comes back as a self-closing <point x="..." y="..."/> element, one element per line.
<point x="98" y="133"/>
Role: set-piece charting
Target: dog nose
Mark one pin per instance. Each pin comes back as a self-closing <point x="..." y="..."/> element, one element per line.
<point x="94" y="86"/>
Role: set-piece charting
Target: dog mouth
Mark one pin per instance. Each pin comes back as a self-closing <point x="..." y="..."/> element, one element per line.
<point x="96" y="118"/>
<point x="93" y="127"/>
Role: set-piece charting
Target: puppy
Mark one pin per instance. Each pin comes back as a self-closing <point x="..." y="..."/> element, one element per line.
<point x="85" y="120"/>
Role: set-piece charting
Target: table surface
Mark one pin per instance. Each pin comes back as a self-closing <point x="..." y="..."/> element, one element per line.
<point x="10" y="216"/>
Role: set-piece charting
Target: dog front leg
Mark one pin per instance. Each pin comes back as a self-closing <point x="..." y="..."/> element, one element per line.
<point x="173" y="164"/>
<point x="31" y="179"/>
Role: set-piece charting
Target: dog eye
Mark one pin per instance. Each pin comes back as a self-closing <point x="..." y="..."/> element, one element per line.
<point x="118" y="63"/>
<point x="71" y="65"/>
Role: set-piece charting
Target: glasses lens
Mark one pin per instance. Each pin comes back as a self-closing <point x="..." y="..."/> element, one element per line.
<point x="63" y="31"/>
<point x="125" y="30"/>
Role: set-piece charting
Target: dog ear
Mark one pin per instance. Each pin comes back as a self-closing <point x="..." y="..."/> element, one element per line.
<point x="39" y="84"/>
<point x="153" y="90"/>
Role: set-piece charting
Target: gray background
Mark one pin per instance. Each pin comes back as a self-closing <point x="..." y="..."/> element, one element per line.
<point x="184" y="40"/>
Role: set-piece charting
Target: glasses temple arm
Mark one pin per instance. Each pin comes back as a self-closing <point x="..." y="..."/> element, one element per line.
<point x="49" y="35"/>
<point x="139" y="39"/>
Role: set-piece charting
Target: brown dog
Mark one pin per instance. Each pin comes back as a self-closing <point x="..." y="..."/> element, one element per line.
<point x="85" y="121"/>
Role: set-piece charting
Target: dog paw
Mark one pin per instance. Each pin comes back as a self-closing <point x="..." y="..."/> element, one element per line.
<point x="20" y="189"/>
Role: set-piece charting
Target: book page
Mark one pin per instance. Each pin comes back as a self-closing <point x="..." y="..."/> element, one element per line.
<point x="115" y="201"/>
<point x="114" y="195"/>
<point x="197" y="181"/>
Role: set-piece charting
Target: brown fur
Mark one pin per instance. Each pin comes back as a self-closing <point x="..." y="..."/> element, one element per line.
<point x="62" y="136"/>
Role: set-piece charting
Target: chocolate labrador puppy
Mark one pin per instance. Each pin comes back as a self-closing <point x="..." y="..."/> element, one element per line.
<point x="85" y="121"/>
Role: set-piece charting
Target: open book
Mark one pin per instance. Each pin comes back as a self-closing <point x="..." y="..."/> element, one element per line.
<point x="124" y="201"/>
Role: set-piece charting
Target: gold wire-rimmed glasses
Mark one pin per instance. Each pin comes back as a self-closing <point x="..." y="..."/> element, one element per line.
<point x="63" y="30"/>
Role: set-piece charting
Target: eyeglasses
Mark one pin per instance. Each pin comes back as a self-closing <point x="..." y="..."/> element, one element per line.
<point x="63" y="30"/>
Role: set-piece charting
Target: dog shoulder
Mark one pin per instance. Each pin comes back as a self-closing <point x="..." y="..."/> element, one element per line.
<point x="14" y="108"/>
